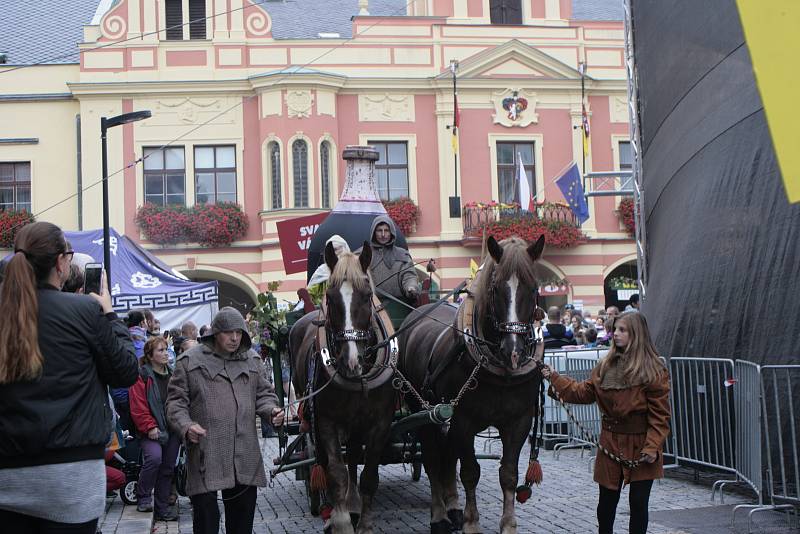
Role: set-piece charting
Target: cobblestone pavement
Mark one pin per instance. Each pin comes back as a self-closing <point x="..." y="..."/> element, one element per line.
<point x="565" y="502"/>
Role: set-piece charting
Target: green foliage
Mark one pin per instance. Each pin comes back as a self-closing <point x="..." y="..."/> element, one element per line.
<point x="272" y="334"/>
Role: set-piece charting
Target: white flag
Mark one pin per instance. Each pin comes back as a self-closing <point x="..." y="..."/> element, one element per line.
<point x="525" y="196"/>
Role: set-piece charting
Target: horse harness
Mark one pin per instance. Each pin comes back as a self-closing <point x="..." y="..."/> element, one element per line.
<point x="328" y="341"/>
<point x="476" y="346"/>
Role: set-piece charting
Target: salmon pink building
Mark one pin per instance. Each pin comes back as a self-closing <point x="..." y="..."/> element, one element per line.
<point x="254" y="103"/>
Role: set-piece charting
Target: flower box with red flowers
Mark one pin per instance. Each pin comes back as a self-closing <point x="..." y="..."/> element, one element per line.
<point x="11" y="221"/>
<point x="625" y="212"/>
<point x="210" y="225"/>
<point x="553" y="220"/>
<point x="404" y="213"/>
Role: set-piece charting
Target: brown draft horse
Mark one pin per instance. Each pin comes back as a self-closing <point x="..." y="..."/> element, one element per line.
<point x="437" y="361"/>
<point x="357" y="406"/>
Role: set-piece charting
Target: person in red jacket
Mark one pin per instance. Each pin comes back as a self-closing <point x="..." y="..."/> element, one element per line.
<point x="159" y="448"/>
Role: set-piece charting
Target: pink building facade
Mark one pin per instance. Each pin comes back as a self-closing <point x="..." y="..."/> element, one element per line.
<point x="255" y="106"/>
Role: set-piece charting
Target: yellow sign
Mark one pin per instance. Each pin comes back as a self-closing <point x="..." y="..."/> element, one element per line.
<point x="770" y="29"/>
<point x="473" y="268"/>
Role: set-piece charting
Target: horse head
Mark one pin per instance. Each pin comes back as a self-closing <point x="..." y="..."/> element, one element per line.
<point x="511" y="292"/>
<point x="349" y="302"/>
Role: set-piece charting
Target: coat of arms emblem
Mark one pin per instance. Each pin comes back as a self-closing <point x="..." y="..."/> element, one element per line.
<point x="515" y="105"/>
<point x="515" y="108"/>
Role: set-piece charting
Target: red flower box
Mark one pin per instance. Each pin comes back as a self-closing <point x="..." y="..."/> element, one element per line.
<point x="11" y="221"/>
<point x="211" y="225"/>
<point x="625" y="212"/>
<point x="404" y="213"/>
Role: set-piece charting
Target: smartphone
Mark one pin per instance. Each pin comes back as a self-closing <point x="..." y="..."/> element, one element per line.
<point x="91" y="278"/>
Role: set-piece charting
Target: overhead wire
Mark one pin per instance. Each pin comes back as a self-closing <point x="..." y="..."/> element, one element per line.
<point x="291" y="70"/>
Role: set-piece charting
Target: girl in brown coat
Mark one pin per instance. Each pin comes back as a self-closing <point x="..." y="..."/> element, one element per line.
<point x="631" y="388"/>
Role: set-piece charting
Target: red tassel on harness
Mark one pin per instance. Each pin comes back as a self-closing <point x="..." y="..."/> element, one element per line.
<point x="534" y="474"/>
<point x="524" y="493"/>
<point x="326" y="512"/>
<point x="319" y="480"/>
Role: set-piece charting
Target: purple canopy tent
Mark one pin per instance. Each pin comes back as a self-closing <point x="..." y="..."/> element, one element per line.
<point x="140" y="280"/>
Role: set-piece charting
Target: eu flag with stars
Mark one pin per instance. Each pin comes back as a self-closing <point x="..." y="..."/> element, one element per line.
<point x="572" y="188"/>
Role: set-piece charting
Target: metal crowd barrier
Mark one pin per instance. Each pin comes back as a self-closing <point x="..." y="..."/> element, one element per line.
<point x="555" y="418"/>
<point x="703" y="412"/>
<point x="579" y="365"/>
<point x="735" y="417"/>
<point x="774" y="472"/>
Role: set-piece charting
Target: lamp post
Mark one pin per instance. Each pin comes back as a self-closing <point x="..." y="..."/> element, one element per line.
<point x="105" y="124"/>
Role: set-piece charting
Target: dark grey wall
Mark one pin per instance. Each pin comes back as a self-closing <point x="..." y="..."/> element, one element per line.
<point x="723" y="241"/>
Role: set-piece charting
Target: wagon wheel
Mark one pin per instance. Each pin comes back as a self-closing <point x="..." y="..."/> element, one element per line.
<point x="416" y="470"/>
<point x="313" y="497"/>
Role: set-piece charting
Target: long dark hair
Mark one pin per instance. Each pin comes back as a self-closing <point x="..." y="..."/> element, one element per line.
<point x="642" y="364"/>
<point x="37" y="248"/>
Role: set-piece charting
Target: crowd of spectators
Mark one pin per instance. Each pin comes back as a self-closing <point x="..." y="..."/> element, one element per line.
<point x="81" y="388"/>
<point x="573" y="328"/>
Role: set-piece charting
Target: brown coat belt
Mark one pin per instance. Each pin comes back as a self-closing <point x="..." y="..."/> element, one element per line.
<point x="635" y="423"/>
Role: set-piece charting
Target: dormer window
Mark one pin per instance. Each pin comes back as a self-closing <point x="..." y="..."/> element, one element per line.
<point x="181" y="24"/>
<point x="505" y="11"/>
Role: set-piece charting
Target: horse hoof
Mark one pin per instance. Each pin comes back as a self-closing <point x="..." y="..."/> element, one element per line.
<point x="354" y="519"/>
<point x="441" y="527"/>
<point x="456" y="517"/>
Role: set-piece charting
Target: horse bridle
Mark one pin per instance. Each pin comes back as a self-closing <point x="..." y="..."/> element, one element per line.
<point x="336" y="337"/>
<point x="531" y="333"/>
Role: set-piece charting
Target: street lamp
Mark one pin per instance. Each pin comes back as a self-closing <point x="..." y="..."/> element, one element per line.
<point x="105" y="124"/>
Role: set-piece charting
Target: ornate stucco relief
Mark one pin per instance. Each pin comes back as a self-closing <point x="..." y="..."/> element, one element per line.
<point x="326" y="103"/>
<point x="299" y="103"/>
<point x="386" y="107"/>
<point x="619" y="108"/>
<point x="182" y="111"/>
<point x="514" y="107"/>
<point x="271" y="103"/>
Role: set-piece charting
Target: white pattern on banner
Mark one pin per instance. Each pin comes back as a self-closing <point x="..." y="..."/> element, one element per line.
<point x="141" y="280"/>
<point x="112" y="246"/>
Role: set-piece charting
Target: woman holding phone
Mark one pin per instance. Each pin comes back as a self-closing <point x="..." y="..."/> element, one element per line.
<point x="58" y="352"/>
<point x="631" y="387"/>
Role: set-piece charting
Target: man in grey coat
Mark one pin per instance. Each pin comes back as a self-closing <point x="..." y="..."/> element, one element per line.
<point x="392" y="268"/>
<point x="216" y="391"/>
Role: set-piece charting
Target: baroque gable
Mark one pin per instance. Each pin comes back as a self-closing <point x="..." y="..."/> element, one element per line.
<point x="146" y="19"/>
<point x="514" y="59"/>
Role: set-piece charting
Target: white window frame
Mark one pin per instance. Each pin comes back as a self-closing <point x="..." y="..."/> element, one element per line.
<point x="538" y="162"/>
<point x="313" y="188"/>
<point x="333" y="168"/>
<point x="411" y="144"/>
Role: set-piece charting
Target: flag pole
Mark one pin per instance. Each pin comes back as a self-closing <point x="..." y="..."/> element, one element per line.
<point x="582" y="70"/>
<point x="455" y="200"/>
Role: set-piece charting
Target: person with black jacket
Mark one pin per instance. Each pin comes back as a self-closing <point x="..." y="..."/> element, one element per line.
<point x="556" y="334"/>
<point x="58" y="353"/>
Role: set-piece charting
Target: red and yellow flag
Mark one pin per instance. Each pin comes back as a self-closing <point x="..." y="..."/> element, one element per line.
<point x="456" y="123"/>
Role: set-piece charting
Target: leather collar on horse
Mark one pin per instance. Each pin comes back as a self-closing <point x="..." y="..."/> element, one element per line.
<point x="382" y="368"/>
<point x="468" y="323"/>
<point x="477" y="351"/>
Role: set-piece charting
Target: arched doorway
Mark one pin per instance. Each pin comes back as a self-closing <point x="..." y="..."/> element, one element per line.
<point x="553" y="289"/>
<point x="620" y="284"/>
<point x="232" y="291"/>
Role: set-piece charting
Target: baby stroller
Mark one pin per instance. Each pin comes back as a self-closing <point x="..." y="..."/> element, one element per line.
<point x="130" y="468"/>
